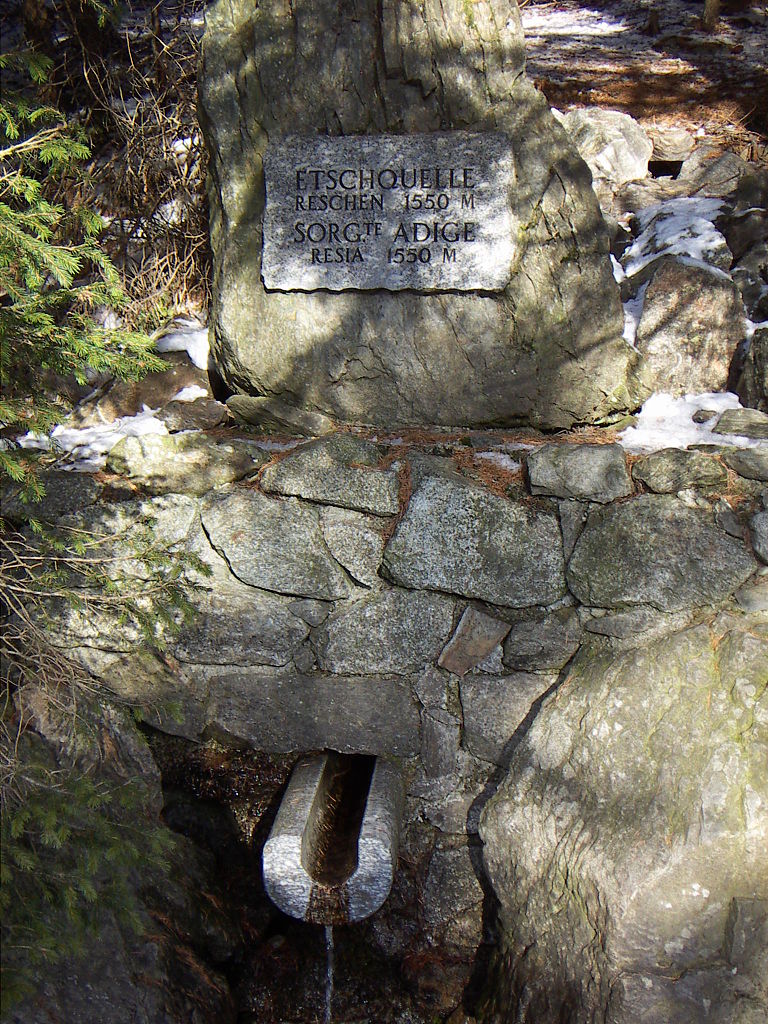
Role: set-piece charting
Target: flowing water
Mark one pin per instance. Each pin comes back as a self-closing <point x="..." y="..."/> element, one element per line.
<point x="328" y="972"/>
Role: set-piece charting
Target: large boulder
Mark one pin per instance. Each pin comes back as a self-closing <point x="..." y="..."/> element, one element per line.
<point x="628" y="844"/>
<point x="547" y="349"/>
<point x="664" y="554"/>
<point x="691" y="325"/>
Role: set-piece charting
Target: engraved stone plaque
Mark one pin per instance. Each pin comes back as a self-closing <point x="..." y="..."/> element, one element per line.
<point x="423" y="212"/>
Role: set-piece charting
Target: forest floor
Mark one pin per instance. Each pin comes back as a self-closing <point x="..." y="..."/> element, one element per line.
<point x="653" y="60"/>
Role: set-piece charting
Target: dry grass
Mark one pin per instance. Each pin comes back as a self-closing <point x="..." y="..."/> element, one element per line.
<point x="147" y="173"/>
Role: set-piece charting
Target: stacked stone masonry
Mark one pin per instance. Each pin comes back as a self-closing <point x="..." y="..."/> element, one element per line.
<point x="403" y="600"/>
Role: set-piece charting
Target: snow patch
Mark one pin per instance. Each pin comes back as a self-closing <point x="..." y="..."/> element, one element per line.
<point x="633" y="310"/>
<point x="569" y="23"/>
<point x="191" y="338"/>
<point x="677" y="227"/>
<point x="667" y="422"/>
<point x="85" y="449"/>
<point x="190" y="394"/>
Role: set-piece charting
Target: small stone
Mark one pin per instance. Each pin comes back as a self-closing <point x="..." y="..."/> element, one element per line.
<point x="691" y="322"/>
<point x="494" y="707"/>
<point x="477" y="634"/>
<point x="613" y="145"/>
<point x="573" y="515"/>
<point x="752" y="386"/>
<point x="182" y="463"/>
<point x="284" y="711"/>
<point x="202" y="414"/>
<point x="704" y="415"/>
<point x="751" y="463"/>
<point x="339" y="470"/>
<point x="743" y="422"/>
<point x="355" y="542"/>
<point x="672" y="470"/>
<point x="593" y="472"/>
<point x="753" y="597"/>
<point x="670" y="142"/>
<point x="304" y="659"/>
<point x="727" y="519"/>
<point x="274" y="414"/>
<point x="758" y="532"/>
<point x="440" y="736"/>
<point x="431" y="687"/>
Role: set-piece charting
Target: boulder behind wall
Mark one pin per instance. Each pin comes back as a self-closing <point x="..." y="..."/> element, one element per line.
<point x="548" y="350"/>
<point x="628" y="844"/>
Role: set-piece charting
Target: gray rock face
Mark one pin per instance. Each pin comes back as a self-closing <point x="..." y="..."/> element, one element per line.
<point x="238" y="625"/>
<point x="536" y="352"/>
<point x="373" y="715"/>
<point x="691" y="324"/>
<point x="673" y="469"/>
<point x="663" y="553"/>
<point x="670" y="142"/>
<point x="65" y="492"/>
<point x="615" y="147"/>
<point x="392" y="632"/>
<point x="338" y="470"/>
<point x="536" y="645"/>
<point x="454" y="897"/>
<point x="746" y="422"/>
<point x="273" y="544"/>
<point x="758" y="532"/>
<point x="356" y="542"/>
<point x="182" y="463"/>
<point x="753" y="383"/>
<point x="459" y="538"/>
<point x="632" y="824"/>
<point x="494" y="706"/>
<point x="202" y="414"/>
<point x="593" y="472"/>
<point x="751" y="463"/>
<point x="275" y="414"/>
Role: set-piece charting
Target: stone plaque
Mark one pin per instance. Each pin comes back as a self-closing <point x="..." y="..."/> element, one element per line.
<point x="425" y="212"/>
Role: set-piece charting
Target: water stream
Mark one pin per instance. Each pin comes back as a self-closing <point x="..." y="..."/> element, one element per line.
<point x="328" y="972"/>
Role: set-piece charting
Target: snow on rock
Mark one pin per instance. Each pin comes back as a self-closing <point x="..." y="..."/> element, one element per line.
<point x="87" y="448"/>
<point x="678" y="227"/>
<point x="633" y="310"/>
<point x="189" y="337"/>
<point x="190" y="394"/>
<point x="667" y="422"/>
<point x="501" y="459"/>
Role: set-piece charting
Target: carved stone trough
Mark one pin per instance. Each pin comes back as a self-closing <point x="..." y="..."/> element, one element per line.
<point x="330" y="857"/>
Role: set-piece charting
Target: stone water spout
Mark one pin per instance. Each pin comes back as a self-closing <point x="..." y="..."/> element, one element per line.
<point x="330" y="857"/>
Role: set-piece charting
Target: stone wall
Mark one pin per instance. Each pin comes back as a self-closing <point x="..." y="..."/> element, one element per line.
<point x="564" y="648"/>
<point x="587" y="627"/>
